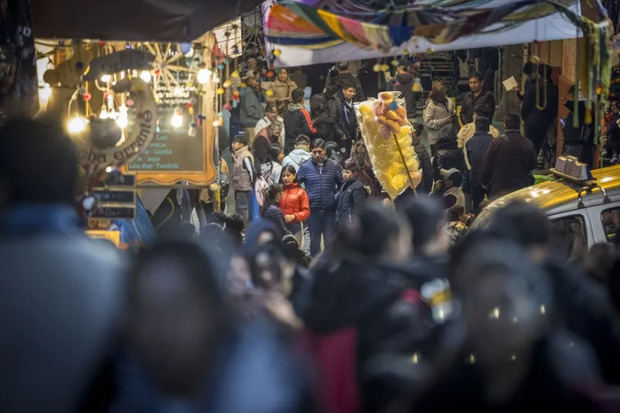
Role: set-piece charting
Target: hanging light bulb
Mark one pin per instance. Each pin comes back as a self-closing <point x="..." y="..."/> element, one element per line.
<point x="145" y="75"/>
<point x="177" y="119"/>
<point x="106" y="78"/>
<point x="76" y="124"/>
<point x="122" y="119"/>
<point x="216" y="78"/>
<point x="227" y="83"/>
<point x="104" y="113"/>
<point x="203" y="75"/>
<point x="44" y="94"/>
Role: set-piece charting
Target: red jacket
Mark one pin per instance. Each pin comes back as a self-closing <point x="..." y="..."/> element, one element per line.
<point x="295" y="202"/>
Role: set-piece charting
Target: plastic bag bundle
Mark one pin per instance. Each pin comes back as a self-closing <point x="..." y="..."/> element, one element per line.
<point x="387" y="135"/>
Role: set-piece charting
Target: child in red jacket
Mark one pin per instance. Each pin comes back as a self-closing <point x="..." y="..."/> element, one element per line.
<point x="294" y="203"/>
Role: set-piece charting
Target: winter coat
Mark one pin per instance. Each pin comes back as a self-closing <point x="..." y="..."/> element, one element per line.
<point x="261" y="149"/>
<point x="335" y="81"/>
<point x="424" y="158"/>
<point x="404" y="85"/>
<point x="583" y="134"/>
<point x="448" y="155"/>
<point x="345" y="118"/>
<point x="240" y="179"/>
<point x="274" y="214"/>
<point x="295" y="202"/>
<point x="350" y="199"/>
<point x="538" y="121"/>
<point x="296" y="157"/>
<point x="323" y="119"/>
<point x="436" y="116"/>
<point x="485" y="102"/>
<point x="477" y="148"/>
<point x="321" y="183"/>
<point x="297" y="122"/>
<point x="282" y="92"/>
<point x="250" y="109"/>
<point x="508" y="164"/>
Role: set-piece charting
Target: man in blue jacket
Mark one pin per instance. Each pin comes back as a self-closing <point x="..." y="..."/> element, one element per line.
<point x="322" y="177"/>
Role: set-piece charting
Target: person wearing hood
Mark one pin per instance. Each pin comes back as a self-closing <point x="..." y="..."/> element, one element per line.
<point x="341" y="106"/>
<point x="352" y="194"/>
<point x="578" y="141"/>
<point x="341" y="75"/>
<point x="438" y="113"/>
<point x="271" y="116"/>
<point x="300" y="154"/>
<point x="404" y="84"/>
<point x="297" y="120"/>
<point x="323" y="119"/>
<point x="295" y="204"/>
<point x="250" y="107"/>
<point x="447" y="153"/>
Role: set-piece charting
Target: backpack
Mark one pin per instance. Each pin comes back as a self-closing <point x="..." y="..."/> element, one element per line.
<point x="260" y="187"/>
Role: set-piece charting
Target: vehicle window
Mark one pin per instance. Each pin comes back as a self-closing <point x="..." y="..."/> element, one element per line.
<point x="611" y="222"/>
<point x="568" y="236"/>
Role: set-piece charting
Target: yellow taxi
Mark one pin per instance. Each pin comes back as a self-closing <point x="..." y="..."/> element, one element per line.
<point x="583" y="207"/>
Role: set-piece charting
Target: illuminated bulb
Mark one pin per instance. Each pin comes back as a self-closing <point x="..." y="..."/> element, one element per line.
<point x="76" y="125"/>
<point x="227" y="83"/>
<point x="216" y="78"/>
<point x="216" y="123"/>
<point x="106" y="78"/>
<point x="122" y="119"/>
<point x="203" y="75"/>
<point x="235" y="74"/>
<point x="145" y="75"/>
<point x="376" y="68"/>
<point x="177" y="120"/>
<point x="104" y="113"/>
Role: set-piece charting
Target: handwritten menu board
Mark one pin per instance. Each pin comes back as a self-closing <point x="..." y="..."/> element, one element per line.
<point x="174" y="149"/>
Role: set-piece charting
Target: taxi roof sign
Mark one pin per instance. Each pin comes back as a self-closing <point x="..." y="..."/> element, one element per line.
<point x="569" y="167"/>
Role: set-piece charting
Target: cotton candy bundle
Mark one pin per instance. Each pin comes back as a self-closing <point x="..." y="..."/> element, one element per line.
<point x="387" y="135"/>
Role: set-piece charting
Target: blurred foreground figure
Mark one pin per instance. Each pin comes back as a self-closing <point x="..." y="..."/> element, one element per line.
<point x="60" y="292"/>
<point x="189" y="351"/>
<point x="513" y="357"/>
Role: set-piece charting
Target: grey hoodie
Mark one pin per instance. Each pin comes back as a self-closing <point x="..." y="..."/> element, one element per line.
<point x="296" y="157"/>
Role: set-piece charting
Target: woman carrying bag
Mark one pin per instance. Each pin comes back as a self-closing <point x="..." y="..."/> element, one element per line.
<point x="438" y="113"/>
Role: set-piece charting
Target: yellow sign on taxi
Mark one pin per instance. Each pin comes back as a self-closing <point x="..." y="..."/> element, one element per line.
<point x="113" y="236"/>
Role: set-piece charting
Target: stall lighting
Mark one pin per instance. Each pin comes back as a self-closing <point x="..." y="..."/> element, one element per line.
<point x="104" y="113"/>
<point x="106" y="78"/>
<point x="177" y="120"/>
<point x="145" y="75"/>
<point x="216" y="78"/>
<point x="76" y="125"/>
<point x="122" y="119"/>
<point x="44" y="94"/>
<point x="203" y="75"/>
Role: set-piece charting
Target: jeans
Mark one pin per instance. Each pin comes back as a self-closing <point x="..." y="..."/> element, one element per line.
<point x="320" y="223"/>
<point x="242" y="202"/>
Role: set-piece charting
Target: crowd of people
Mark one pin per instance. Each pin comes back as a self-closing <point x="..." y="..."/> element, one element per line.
<point x="394" y="315"/>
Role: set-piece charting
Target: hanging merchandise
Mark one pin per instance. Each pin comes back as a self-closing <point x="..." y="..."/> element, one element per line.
<point x="387" y="136"/>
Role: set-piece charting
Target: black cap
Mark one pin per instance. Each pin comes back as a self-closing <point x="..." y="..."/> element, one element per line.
<point x="241" y="138"/>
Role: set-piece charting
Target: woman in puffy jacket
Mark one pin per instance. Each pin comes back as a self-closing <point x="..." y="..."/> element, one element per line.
<point x="438" y="113"/>
<point x="294" y="204"/>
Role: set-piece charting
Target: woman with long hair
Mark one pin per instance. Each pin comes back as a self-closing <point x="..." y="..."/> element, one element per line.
<point x="271" y="208"/>
<point x="438" y="113"/>
<point x="294" y="204"/>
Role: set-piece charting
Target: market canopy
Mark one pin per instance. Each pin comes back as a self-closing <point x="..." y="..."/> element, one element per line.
<point x="133" y="20"/>
<point x="319" y="31"/>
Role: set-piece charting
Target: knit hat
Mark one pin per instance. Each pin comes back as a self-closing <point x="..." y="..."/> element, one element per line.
<point x="241" y="138"/>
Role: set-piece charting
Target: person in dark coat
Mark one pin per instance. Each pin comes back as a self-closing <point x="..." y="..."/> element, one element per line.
<point x="352" y="194"/>
<point x="321" y="177"/>
<point x="476" y="148"/>
<point x="537" y="120"/>
<point x="404" y="84"/>
<point x="578" y="141"/>
<point x="478" y="98"/>
<point x="448" y="154"/>
<point x="424" y="158"/>
<point x="509" y="161"/>
<point x="271" y="209"/>
<point x="297" y="121"/>
<point x="340" y="75"/>
<point x="341" y="106"/>
<point x="322" y="118"/>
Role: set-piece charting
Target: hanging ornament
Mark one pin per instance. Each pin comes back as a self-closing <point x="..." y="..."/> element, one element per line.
<point x="376" y="68"/>
<point x="406" y="52"/>
<point x="87" y="97"/>
<point x="269" y="92"/>
<point x="235" y="74"/>
<point x="186" y="48"/>
<point x="384" y="68"/>
<point x="130" y="102"/>
<point x="270" y="74"/>
<point x="394" y="62"/>
<point x="244" y="85"/>
<point x="220" y="90"/>
<point x="227" y="106"/>
<point x="200" y="118"/>
<point x="220" y="66"/>
<point x="235" y="104"/>
<point x="277" y="52"/>
<point x="79" y="65"/>
<point x="417" y="85"/>
<point x="227" y="83"/>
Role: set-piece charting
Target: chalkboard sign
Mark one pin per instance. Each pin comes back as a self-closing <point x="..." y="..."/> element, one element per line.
<point x="175" y="148"/>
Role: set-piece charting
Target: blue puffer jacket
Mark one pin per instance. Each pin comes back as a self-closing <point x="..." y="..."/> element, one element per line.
<point x="321" y="183"/>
